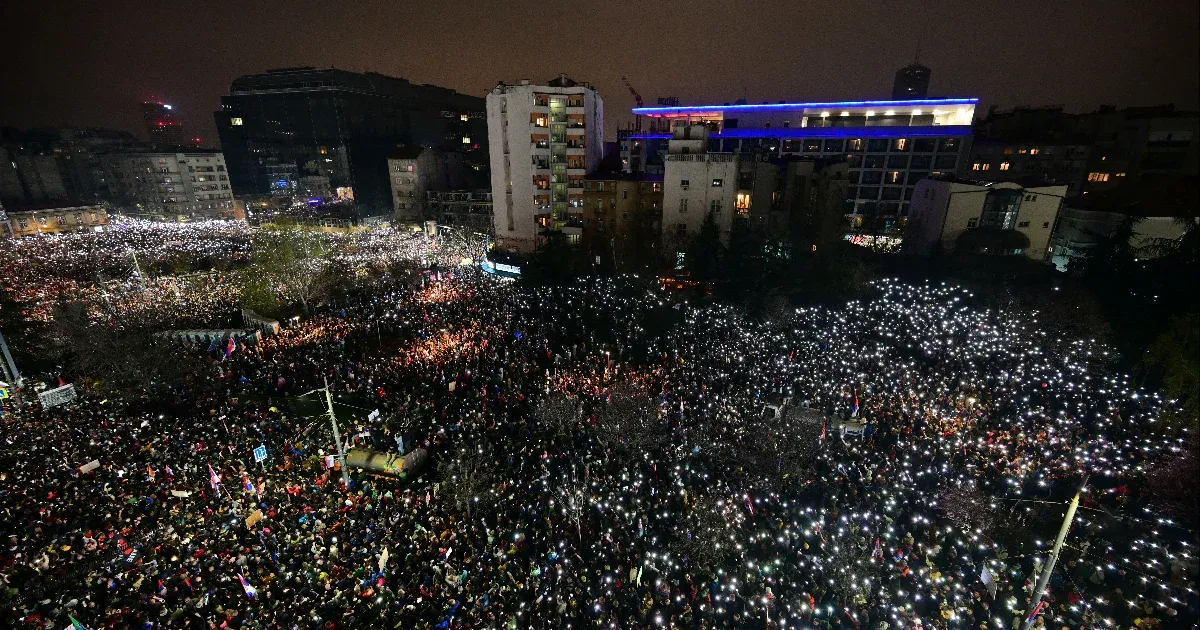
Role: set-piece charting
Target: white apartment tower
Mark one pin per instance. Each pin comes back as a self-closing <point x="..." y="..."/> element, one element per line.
<point x="543" y="139"/>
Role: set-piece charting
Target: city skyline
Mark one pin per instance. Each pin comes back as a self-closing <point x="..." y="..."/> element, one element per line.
<point x="1079" y="55"/>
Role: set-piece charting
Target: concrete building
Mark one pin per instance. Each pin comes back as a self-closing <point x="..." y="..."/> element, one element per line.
<point x="946" y="208"/>
<point x="32" y="179"/>
<point x="415" y="172"/>
<point x="1161" y="207"/>
<point x="281" y="125"/>
<point x="543" y="140"/>
<point x="1092" y="152"/>
<point x="796" y="199"/>
<point x="912" y="82"/>
<point x="697" y="183"/>
<point x="163" y="128"/>
<point x="622" y="218"/>
<point x="1030" y="161"/>
<point x="170" y="185"/>
<point x="889" y="145"/>
<point x="466" y="209"/>
<point x="53" y="220"/>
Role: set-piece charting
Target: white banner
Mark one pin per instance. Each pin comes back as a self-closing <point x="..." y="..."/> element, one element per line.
<point x="89" y="467"/>
<point x="57" y="396"/>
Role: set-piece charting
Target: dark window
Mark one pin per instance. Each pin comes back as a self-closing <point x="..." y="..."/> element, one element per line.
<point x="915" y="176"/>
<point x="793" y="146"/>
<point x="891" y="193"/>
<point x="945" y="162"/>
<point x="1023" y="224"/>
<point x="948" y="144"/>
<point x="1045" y="224"/>
<point x="868" y="192"/>
<point x="920" y="162"/>
<point x="874" y="161"/>
<point x="812" y="146"/>
<point x="923" y="145"/>
<point x="897" y="161"/>
<point x="877" y="145"/>
<point x="853" y="177"/>
<point x="972" y="223"/>
<point x="872" y="177"/>
<point x="1000" y="208"/>
<point x="833" y="145"/>
<point x="731" y="123"/>
<point x="908" y="192"/>
<point x="683" y="183"/>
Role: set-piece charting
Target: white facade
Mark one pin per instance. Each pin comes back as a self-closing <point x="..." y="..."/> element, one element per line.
<point x="542" y="140"/>
<point x="696" y="183"/>
<point x="943" y="209"/>
<point x="195" y="183"/>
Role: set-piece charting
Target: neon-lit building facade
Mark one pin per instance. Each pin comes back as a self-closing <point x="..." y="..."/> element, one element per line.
<point x="890" y="145"/>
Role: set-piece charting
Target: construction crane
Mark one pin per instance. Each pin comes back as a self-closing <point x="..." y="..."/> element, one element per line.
<point x="637" y="118"/>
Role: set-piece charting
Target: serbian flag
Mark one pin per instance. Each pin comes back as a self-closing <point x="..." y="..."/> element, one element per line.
<point x="1034" y="613"/>
<point x="823" y="423"/>
<point x="878" y="552"/>
<point x="169" y="473"/>
<point x="230" y="347"/>
<point x="854" y="410"/>
<point x="213" y="477"/>
<point x="250" y="590"/>
<point x="247" y="484"/>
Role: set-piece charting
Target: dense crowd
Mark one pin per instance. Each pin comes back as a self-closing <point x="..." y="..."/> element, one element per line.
<point x="601" y="456"/>
<point x="180" y="275"/>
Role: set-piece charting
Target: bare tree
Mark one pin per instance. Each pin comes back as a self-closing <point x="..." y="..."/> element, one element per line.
<point x="705" y="538"/>
<point x="967" y="507"/>
<point x="468" y="483"/>
<point x="558" y="415"/>
<point x="628" y="421"/>
<point x="847" y="563"/>
<point x="292" y="261"/>
<point x="573" y="498"/>
<point x="128" y="353"/>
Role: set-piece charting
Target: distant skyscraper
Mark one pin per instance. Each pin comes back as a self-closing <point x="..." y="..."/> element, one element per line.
<point x="912" y="82"/>
<point x="162" y="126"/>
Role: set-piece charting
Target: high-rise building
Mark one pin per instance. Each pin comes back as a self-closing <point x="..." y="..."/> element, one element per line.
<point x="53" y="165"/>
<point x="543" y="140"/>
<point x="888" y="145"/>
<point x="912" y="82"/>
<point x="165" y="131"/>
<point x="170" y="185"/>
<point x="281" y="125"/>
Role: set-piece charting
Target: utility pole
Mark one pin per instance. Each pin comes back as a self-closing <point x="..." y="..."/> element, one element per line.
<point x="138" y="269"/>
<point x="1044" y="578"/>
<point x="11" y="374"/>
<point x="337" y="436"/>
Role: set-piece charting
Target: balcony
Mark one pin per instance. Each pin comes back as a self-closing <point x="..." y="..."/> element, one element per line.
<point x="700" y="157"/>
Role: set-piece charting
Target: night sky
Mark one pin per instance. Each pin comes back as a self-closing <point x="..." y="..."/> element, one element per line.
<point x="90" y="63"/>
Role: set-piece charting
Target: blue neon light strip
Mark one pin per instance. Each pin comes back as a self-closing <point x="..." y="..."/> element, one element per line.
<point x="698" y="109"/>
<point x="926" y="131"/>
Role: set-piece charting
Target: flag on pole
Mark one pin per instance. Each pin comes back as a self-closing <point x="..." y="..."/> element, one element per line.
<point x="251" y="592"/>
<point x="230" y="347"/>
<point x="823" y="424"/>
<point x="854" y="410"/>
<point x="75" y="625"/>
<point x="1036" y="610"/>
<point x="213" y="477"/>
<point x="878" y="552"/>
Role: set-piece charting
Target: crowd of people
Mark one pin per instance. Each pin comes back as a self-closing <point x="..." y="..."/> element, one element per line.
<point x="601" y="456"/>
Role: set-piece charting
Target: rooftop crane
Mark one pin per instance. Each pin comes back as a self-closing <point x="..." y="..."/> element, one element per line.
<point x="637" y="118"/>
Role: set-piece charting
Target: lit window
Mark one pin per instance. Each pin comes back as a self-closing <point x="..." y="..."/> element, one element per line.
<point x="466" y="139"/>
<point x="900" y="143"/>
<point x="1097" y="177"/>
<point x="1023" y="151"/>
<point x="743" y="201"/>
<point x="717" y="183"/>
<point x="975" y="166"/>
<point x="1118" y="174"/>
<point x="1008" y="151"/>
<point x="1004" y="166"/>
<point x="1034" y="151"/>
<point x="986" y="167"/>
<point x="236" y="122"/>
<point x="463" y="117"/>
